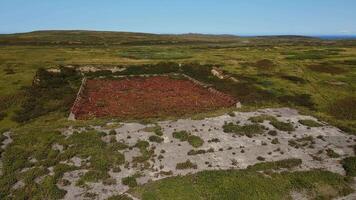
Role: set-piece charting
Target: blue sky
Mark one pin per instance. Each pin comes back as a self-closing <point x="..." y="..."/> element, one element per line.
<point x="256" y="17"/>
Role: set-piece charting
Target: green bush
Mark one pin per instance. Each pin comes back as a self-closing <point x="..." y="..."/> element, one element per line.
<point x="129" y="181"/>
<point x="349" y="165"/>
<point x="195" y="141"/>
<point x="156" y="129"/>
<point x="282" y="126"/>
<point x="196" y="152"/>
<point x="282" y="164"/>
<point x="248" y="129"/>
<point x="310" y="123"/>
<point x="50" y="92"/>
<point x="120" y="197"/>
<point x="186" y="165"/>
<point x="181" y="135"/>
<point x="262" y="118"/>
<point x="332" y="154"/>
<point x="155" y="138"/>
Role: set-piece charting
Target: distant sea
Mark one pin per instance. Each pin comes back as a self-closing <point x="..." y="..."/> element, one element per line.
<point x="336" y="37"/>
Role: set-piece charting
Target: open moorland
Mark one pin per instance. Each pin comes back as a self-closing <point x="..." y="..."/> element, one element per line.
<point x="157" y="116"/>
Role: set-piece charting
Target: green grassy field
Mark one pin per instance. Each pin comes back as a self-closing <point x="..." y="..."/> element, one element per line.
<point x="316" y="77"/>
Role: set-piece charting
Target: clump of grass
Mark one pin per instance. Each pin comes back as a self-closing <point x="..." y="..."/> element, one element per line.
<point x="310" y="123"/>
<point x="112" y="132"/>
<point x="142" y="144"/>
<point x="103" y="156"/>
<point x="181" y="135"/>
<point x="92" y="176"/>
<point x="231" y="114"/>
<point x="116" y="146"/>
<point x="349" y="164"/>
<point x="332" y="154"/>
<point x="186" y="165"/>
<point x="260" y="158"/>
<point x="262" y="118"/>
<point x="196" y="152"/>
<point x="195" y="141"/>
<point x="109" y="181"/>
<point x="272" y="133"/>
<point x="146" y="153"/>
<point x="156" y="129"/>
<point x="282" y="126"/>
<point x="301" y="142"/>
<point x="275" y="141"/>
<point x="282" y="164"/>
<point x="120" y="197"/>
<point x="155" y="138"/>
<point x="249" y="129"/>
<point x="129" y="181"/>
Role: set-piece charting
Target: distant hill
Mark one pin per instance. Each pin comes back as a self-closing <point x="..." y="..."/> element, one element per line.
<point x="109" y="38"/>
<point x="83" y="37"/>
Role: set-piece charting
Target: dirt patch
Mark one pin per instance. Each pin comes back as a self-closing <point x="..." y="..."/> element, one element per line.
<point x="142" y="97"/>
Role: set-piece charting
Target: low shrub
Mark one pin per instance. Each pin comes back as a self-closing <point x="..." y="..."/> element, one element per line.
<point x="282" y="164"/>
<point x="186" y="165"/>
<point x="332" y="154"/>
<point x="310" y="123"/>
<point x="156" y="129"/>
<point x="275" y="141"/>
<point x="249" y="129"/>
<point x="50" y="92"/>
<point x="272" y="133"/>
<point x="262" y="118"/>
<point x="282" y="126"/>
<point x="301" y="142"/>
<point x="181" y="135"/>
<point x="120" y="197"/>
<point x="129" y="181"/>
<point x="195" y="141"/>
<point x="260" y="158"/>
<point x="349" y="164"/>
<point x="155" y="138"/>
<point x="196" y="152"/>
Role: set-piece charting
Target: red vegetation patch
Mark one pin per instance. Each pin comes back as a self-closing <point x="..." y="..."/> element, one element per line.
<point x="141" y="97"/>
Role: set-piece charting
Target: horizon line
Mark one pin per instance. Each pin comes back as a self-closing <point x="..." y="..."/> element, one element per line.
<point x="184" y="33"/>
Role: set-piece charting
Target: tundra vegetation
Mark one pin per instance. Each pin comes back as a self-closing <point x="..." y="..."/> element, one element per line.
<point x="316" y="77"/>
